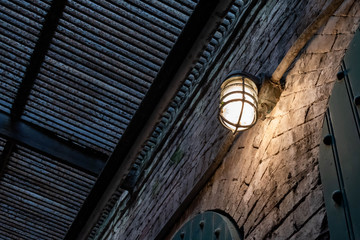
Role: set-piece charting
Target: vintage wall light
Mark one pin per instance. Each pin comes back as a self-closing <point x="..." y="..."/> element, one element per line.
<point x="239" y="101"/>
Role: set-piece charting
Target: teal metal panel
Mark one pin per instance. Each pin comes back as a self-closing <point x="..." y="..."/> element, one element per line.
<point x="197" y="228"/>
<point x="329" y="177"/>
<point x="176" y="236"/>
<point x="220" y="228"/>
<point x="208" y="226"/>
<point x="348" y="147"/>
<point x="352" y="64"/>
<point x="340" y="158"/>
<point x="187" y="231"/>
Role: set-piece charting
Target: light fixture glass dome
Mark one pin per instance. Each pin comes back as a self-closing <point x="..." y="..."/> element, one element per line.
<point x="238" y="102"/>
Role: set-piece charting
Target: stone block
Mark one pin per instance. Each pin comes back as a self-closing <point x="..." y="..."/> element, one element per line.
<point x="341" y="25"/>
<point x="313" y="228"/>
<point x="306" y="209"/>
<point x="321" y="43"/>
<point x="282" y="107"/>
<point x="327" y="76"/>
<point x="268" y="177"/>
<point x="308" y="97"/>
<point x="307" y="63"/>
<point x="331" y="58"/>
<point x="342" y="41"/>
<point x="348" y="8"/>
<point x="316" y="109"/>
<point x="300" y="82"/>
<point x="355" y="9"/>
<point x="260" y="231"/>
<point x="291" y="120"/>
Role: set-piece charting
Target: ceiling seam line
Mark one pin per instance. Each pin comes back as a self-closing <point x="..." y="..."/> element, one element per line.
<point x="206" y="13"/>
<point x="43" y="44"/>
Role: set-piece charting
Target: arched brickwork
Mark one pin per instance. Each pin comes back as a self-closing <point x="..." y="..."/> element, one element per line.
<point x="269" y="180"/>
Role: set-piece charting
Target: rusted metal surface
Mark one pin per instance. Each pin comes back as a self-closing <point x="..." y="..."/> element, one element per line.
<point x="169" y="116"/>
<point x="183" y="94"/>
<point x="20" y="24"/>
<point x="82" y="77"/>
<point x="100" y="64"/>
<point x="116" y="153"/>
<point x="109" y="211"/>
<point x="48" y="25"/>
<point x="39" y="196"/>
<point x="50" y="145"/>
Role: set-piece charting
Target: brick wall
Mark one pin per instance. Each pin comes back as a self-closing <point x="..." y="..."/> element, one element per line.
<point x="269" y="179"/>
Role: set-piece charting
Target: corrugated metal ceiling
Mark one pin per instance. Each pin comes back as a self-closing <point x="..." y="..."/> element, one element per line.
<point x="188" y="87"/>
<point x="94" y="70"/>
<point x="168" y="118"/>
<point x="100" y="64"/>
<point x="101" y="61"/>
<point x="39" y="196"/>
<point x="20" y="26"/>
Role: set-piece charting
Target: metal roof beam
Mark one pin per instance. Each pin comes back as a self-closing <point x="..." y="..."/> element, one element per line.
<point x="42" y="45"/>
<point x="199" y="29"/>
<point x="40" y="141"/>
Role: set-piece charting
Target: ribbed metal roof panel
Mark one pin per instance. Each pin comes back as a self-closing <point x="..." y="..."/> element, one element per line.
<point x="20" y="25"/>
<point x="175" y="106"/>
<point x="103" y="219"/>
<point x="101" y="62"/>
<point x="40" y="197"/>
<point x="189" y="85"/>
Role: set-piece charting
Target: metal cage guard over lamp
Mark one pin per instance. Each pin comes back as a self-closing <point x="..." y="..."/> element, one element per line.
<point x="239" y="101"/>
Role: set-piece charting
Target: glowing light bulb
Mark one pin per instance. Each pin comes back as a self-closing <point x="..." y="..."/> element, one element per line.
<point x="238" y="103"/>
